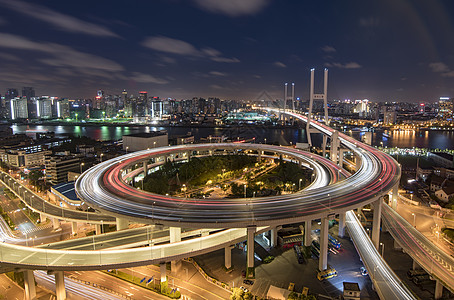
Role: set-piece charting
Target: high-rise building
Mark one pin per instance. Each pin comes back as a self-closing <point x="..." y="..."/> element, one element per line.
<point x="445" y="108"/>
<point x="18" y="108"/>
<point x="44" y="108"/>
<point x="11" y="93"/>
<point x="61" y="108"/>
<point x="28" y="92"/>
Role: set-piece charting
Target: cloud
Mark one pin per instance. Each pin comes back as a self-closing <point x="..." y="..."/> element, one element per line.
<point x="179" y="47"/>
<point x="60" y="55"/>
<point x="280" y="64"/>
<point x="448" y="74"/>
<point x="328" y="49"/>
<point x="146" y="78"/>
<point x="217" y="73"/>
<point x="58" y="20"/>
<point x="216" y="87"/>
<point x="10" y="57"/>
<point x="349" y="65"/>
<point x="169" y="45"/>
<point x="225" y="59"/>
<point x="439" y="67"/>
<point x="369" y="22"/>
<point x="232" y="8"/>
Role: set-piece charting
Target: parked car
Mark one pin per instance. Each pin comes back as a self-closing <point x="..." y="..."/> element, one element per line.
<point x="244" y="289"/>
<point x="247" y="281"/>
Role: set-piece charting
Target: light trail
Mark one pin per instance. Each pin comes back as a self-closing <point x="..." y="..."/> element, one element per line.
<point x="388" y="285"/>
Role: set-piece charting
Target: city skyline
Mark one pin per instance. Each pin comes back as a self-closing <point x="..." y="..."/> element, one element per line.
<point x="381" y="51"/>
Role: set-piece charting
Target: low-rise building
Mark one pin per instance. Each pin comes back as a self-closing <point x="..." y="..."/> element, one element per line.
<point x="446" y="193"/>
<point x="444" y="172"/>
<point x="351" y="291"/>
<point x="442" y="159"/>
<point x="424" y="173"/>
<point x="436" y="183"/>
<point x="145" y="140"/>
<point x="58" y="166"/>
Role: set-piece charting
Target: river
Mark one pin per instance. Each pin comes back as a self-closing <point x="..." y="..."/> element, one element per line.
<point x="401" y="139"/>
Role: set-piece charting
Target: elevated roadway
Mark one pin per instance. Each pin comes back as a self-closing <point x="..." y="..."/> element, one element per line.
<point x="103" y="187"/>
<point x="432" y="259"/>
<point x="36" y="203"/>
<point x="385" y="281"/>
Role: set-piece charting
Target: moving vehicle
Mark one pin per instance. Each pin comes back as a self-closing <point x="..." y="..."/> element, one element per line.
<point x="412" y="273"/>
<point x="334" y="242"/>
<point x="327" y="274"/>
<point x="299" y="254"/>
<point x="363" y="271"/>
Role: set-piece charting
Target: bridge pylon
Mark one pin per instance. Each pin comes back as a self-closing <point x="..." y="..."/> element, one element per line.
<point x="313" y="96"/>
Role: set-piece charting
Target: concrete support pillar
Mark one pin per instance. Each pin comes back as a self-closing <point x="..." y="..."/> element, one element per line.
<point x="60" y="285"/>
<point x="376" y="223"/>
<point x="175" y="234"/>
<point x="334" y="146"/>
<point x="228" y="257"/>
<point x="397" y="246"/>
<point x="438" y="289"/>
<point x="74" y="227"/>
<point x="163" y="269"/>
<point x="357" y="162"/>
<point x="341" y="156"/>
<point x="415" y="265"/>
<point x="188" y="155"/>
<point x="307" y="233"/>
<point x="42" y="218"/>
<point x="323" y="259"/>
<point x="384" y="228"/>
<point x="55" y="223"/>
<point x="250" y="246"/>
<point x="324" y="141"/>
<point x="29" y="284"/>
<point x="98" y="229"/>
<point x="341" y="231"/>
<point x="273" y="235"/>
<point x="395" y="195"/>
<point x="122" y="223"/>
<point x="145" y="168"/>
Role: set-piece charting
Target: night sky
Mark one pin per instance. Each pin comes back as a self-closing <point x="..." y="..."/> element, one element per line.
<point x="383" y="50"/>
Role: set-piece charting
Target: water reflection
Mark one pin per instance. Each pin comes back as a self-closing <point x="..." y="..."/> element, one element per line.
<point x="403" y="139"/>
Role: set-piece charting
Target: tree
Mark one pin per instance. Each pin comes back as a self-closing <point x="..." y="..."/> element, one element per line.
<point x="35" y="175"/>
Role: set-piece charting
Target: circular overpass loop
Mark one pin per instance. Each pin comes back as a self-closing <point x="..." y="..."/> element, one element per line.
<point x="103" y="187"/>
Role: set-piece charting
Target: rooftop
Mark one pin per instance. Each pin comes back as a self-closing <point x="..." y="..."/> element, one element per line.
<point x="147" y="134"/>
<point x="67" y="190"/>
<point x="351" y="286"/>
<point x="444" y="155"/>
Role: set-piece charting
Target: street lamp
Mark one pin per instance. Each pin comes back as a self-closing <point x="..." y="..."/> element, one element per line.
<point x="81" y="167"/>
<point x="265" y="140"/>
<point x="382" y="249"/>
<point x="183" y="189"/>
<point x="244" y="191"/>
<point x="127" y="149"/>
<point x="102" y="156"/>
<point x="299" y="186"/>
<point x="414" y="219"/>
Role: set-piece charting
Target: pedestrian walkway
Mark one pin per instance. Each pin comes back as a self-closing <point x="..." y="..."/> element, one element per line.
<point x="36" y="229"/>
